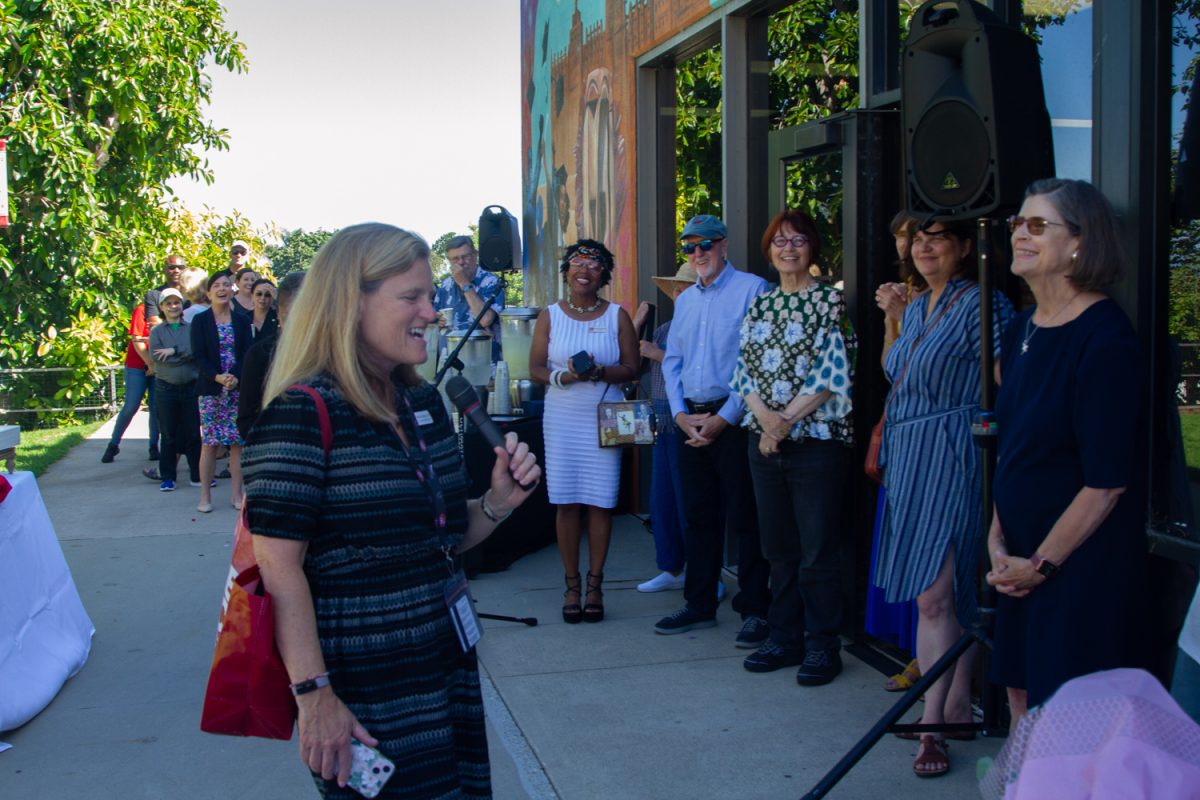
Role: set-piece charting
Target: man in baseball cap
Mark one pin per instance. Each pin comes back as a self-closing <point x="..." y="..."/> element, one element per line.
<point x="701" y="353"/>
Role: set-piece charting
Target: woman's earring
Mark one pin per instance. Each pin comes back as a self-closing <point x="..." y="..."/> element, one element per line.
<point x="1074" y="256"/>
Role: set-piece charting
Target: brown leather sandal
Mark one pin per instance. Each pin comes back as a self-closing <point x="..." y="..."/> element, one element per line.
<point x="572" y="613"/>
<point x="932" y="760"/>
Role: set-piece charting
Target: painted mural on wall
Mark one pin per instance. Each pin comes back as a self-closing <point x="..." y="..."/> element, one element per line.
<point x="577" y="138"/>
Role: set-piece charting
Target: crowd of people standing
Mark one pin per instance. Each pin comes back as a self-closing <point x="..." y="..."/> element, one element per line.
<point x="753" y="381"/>
<point x="189" y="338"/>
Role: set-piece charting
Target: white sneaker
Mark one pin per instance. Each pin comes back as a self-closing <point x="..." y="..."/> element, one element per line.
<point x="663" y="582"/>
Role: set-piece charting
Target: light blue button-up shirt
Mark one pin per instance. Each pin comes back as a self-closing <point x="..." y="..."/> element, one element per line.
<point x="702" y="348"/>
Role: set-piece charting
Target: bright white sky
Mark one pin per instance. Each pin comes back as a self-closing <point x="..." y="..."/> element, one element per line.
<point x="400" y="111"/>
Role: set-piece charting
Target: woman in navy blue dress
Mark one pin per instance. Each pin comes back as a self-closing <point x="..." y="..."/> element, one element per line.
<point x="1067" y="542"/>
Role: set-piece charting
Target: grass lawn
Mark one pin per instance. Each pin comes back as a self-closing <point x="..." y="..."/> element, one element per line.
<point x="41" y="448"/>
<point x="1190" y="424"/>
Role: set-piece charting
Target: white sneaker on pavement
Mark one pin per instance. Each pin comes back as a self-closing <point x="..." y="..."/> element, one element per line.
<point x="663" y="582"/>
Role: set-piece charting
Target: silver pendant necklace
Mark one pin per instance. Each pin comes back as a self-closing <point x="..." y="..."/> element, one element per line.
<point x="582" y="309"/>
<point x="1031" y="329"/>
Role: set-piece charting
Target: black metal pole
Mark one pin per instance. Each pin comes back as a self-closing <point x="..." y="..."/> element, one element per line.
<point x="888" y="721"/>
<point x="984" y="431"/>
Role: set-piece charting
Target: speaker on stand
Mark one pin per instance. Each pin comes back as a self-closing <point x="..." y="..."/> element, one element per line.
<point x="976" y="133"/>
<point x="973" y="110"/>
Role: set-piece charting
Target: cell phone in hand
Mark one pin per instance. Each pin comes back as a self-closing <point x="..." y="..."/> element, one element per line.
<point x="582" y="362"/>
<point x="370" y="770"/>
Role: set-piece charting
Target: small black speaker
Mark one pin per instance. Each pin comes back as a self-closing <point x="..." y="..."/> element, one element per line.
<point x="976" y="127"/>
<point x="499" y="240"/>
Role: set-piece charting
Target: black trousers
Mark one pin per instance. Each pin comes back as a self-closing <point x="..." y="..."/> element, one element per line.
<point x="717" y="494"/>
<point x="799" y="494"/>
<point x="179" y="426"/>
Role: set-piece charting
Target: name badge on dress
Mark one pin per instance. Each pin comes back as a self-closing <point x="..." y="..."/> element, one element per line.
<point x="423" y="417"/>
<point x="462" y="611"/>
<point x="597" y="329"/>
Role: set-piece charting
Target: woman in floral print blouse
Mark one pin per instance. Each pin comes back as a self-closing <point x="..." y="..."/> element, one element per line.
<point x="795" y="369"/>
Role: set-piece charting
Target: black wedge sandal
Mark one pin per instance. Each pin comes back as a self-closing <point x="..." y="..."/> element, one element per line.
<point x="594" y="612"/>
<point x="572" y="613"/>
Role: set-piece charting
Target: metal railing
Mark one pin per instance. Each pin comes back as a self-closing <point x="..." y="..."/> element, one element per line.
<point x="27" y="395"/>
<point x="1188" y="391"/>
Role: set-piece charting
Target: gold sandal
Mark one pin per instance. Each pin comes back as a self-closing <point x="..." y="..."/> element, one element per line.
<point x="904" y="680"/>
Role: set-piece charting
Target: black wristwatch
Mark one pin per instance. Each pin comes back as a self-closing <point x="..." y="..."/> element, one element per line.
<point x="1047" y="569"/>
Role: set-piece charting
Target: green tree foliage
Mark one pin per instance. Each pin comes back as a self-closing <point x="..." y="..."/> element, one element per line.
<point x="203" y="239"/>
<point x="296" y="251"/>
<point x="1185" y="35"/>
<point x="698" y="136"/>
<point x="437" y="258"/>
<point x="1183" y="316"/>
<point x="813" y="50"/>
<point x="101" y="103"/>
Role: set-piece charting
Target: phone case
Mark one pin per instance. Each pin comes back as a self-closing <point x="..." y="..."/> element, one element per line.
<point x="370" y="770"/>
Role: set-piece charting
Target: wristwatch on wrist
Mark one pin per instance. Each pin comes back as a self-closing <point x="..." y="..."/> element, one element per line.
<point x="1047" y="569"/>
<point x="470" y="287"/>
<point x="310" y="685"/>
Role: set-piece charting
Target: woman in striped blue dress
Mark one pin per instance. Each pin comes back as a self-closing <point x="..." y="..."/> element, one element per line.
<point x="928" y="548"/>
<point x="359" y="541"/>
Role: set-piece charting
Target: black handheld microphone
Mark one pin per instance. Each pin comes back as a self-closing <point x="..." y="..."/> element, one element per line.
<point x="466" y="400"/>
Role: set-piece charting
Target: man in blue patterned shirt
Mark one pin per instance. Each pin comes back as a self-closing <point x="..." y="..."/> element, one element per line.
<point x="702" y="351"/>
<point x="466" y="290"/>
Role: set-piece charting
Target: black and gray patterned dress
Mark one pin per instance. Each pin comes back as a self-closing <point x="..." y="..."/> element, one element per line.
<point x="377" y="576"/>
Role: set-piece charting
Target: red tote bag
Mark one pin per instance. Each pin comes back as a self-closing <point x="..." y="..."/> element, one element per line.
<point x="249" y="690"/>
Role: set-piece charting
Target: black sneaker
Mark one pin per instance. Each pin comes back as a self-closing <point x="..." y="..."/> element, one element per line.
<point x="753" y="633"/>
<point x="110" y="453"/>
<point x="153" y="453"/>
<point x="683" y="621"/>
<point x="772" y="656"/>
<point x="819" y="667"/>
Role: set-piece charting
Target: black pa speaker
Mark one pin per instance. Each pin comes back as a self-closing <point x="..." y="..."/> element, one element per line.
<point x="976" y="128"/>
<point x="499" y="240"/>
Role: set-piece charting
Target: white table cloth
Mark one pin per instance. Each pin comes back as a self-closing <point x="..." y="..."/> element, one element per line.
<point x="45" y="633"/>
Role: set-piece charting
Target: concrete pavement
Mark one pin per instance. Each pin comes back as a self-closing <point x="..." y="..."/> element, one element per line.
<point x="575" y="711"/>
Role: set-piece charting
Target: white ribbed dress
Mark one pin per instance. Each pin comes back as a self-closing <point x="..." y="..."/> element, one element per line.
<point x="578" y="470"/>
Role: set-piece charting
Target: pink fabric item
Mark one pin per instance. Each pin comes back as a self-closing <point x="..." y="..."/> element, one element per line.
<point x="1114" y="734"/>
<point x="5" y="488"/>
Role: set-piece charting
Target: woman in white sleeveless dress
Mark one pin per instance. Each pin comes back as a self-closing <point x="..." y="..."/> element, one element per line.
<point x="579" y="473"/>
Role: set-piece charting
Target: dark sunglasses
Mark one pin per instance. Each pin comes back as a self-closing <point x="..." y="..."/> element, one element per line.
<point x="1036" y="225"/>
<point x="705" y="245"/>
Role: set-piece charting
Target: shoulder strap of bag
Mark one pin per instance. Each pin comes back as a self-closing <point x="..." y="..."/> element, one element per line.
<point x="913" y="348"/>
<point x="322" y="415"/>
